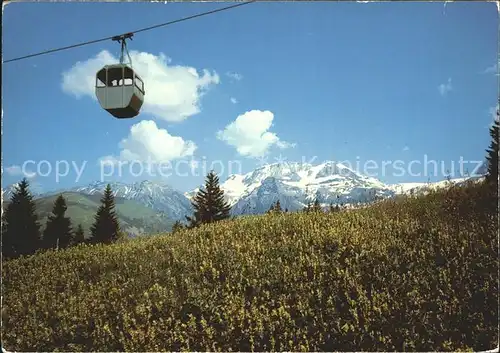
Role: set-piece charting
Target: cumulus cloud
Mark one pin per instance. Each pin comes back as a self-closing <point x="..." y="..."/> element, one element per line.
<point x="234" y="100"/>
<point x="250" y="134"/>
<point x="444" y="88"/>
<point x="16" y="170"/>
<point x="234" y="76"/>
<point x="147" y="142"/>
<point x="173" y="92"/>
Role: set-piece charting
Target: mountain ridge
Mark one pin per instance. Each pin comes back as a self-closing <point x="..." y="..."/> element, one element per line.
<point x="295" y="184"/>
<point x="158" y="196"/>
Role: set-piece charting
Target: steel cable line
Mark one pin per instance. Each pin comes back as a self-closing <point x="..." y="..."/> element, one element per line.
<point x="136" y="31"/>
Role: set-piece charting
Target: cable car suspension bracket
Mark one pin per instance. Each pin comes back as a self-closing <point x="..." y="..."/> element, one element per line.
<point x="122" y="39"/>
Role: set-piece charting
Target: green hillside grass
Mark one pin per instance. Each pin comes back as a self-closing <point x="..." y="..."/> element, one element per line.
<point x="413" y="274"/>
<point x="82" y="209"/>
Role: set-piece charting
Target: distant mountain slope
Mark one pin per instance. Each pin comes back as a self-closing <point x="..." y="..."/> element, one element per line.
<point x="421" y="188"/>
<point x="135" y="219"/>
<point x="296" y="184"/>
<point x="157" y="196"/>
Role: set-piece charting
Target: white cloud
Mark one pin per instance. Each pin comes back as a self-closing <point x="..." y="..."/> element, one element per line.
<point x="406" y="148"/>
<point x="173" y="92"/>
<point x="234" y="100"/>
<point x="234" y="75"/>
<point x="16" y="170"/>
<point x="492" y="70"/>
<point x="148" y="143"/>
<point x="249" y="134"/>
<point x="493" y="113"/>
<point x="444" y="88"/>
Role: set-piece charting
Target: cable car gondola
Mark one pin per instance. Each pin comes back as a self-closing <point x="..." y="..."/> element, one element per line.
<point x="119" y="89"/>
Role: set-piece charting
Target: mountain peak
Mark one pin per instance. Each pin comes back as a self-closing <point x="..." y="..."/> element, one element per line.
<point x="295" y="183"/>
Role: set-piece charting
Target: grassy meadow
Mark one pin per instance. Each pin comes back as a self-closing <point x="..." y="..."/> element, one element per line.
<point x="409" y="274"/>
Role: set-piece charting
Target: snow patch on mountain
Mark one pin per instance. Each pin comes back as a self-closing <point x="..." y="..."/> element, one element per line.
<point x="159" y="196"/>
<point x="419" y="188"/>
<point x="294" y="184"/>
<point x="297" y="184"/>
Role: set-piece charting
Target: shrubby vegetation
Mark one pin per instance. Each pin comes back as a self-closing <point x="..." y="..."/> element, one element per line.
<point x="22" y="235"/>
<point x="406" y="274"/>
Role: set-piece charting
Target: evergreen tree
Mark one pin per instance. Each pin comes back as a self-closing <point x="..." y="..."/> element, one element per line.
<point x="308" y="207"/>
<point x="177" y="226"/>
<point x="448" y="177"/>
<point x="333" y="208"/>
<point x="492" y="157"/>
<point x="483" y="168"/>
<point x="58" y="232"/>
<point x="317" y="206"/>
<point x="20" y="225"/>
<point x="106" y="228"/>
<point x="275" y="208"/>
<point x="209" y="204"/>
<point x="79" y="235"/>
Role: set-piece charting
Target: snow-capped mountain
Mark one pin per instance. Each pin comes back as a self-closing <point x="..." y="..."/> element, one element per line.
<point x="35" y="189"/>
<point x="422" y="188"/>
<point x="158" y="196"/>
<point x="296" y="184"/>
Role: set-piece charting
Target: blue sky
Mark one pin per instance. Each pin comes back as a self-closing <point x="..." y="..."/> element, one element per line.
<point x="308" y="81"/>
